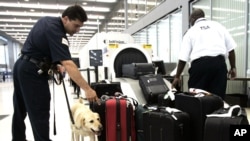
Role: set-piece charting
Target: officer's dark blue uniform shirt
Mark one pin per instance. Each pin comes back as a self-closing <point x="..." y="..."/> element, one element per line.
<point x="47" y="39"/>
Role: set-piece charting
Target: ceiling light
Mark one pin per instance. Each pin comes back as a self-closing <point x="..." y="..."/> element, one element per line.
<point x="92" y="23"/>
<point x="42" y="14"/>
<point x="115" y="23"/>
<point x="123" y="18"/>
<point x="19" y="20"/>
<point x="142" y="2"/>
<point x="50" y="6"/>
<point x="16" y="30"/>
<point x="132" y="11"/>
<point x="16" y="25"/>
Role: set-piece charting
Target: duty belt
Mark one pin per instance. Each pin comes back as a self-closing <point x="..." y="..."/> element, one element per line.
<point x="44" y="66"/>
<point x="32" y="60"/>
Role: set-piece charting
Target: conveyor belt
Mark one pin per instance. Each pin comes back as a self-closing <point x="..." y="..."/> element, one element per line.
<point x="131" y="88"/>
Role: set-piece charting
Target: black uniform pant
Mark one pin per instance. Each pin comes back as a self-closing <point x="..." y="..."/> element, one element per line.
<point x="32" y="97"/>
<point x="210" y="74"/>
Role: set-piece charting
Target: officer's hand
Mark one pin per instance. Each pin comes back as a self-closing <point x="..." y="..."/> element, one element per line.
<point x="91" y="96"/>
<point x="232" y="73"/>
<point x="60" y="68"/>
<point x="176" y="82"/>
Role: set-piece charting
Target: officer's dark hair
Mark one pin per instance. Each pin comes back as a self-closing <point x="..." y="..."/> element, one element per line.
<point x="196" y="14"/>
<point x="75" y="12"/>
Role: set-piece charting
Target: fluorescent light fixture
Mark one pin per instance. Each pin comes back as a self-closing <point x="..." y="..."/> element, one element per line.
<point x="86" y="31"/>
<point x="49" y="6"/>
<point x="16" y="30"/>
<point x="32" y="14"/>
<point x="17" y="34"/>
<point x="123" y="18"/>
<point x="92" y="23"/>
<point x="42" y="14"/>
<point x="132" y="11"/>
<point x="115" y="23"/>
<point x="16" y="25"/>
<point x="89" y="27"/>
<point x="34" y="21"/>
<point x="19" y="20"/>
<point x="115" y="28"/>
<point x="84" y="35"/>
<point x="143" y="2"/>
<point x="107" y="1"/>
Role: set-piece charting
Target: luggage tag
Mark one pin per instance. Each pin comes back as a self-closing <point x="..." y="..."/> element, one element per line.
<point x="131" y="100"/>
<point x="198" y="92"/>
<point x="232" y="111"/>
<point x="170" y="111"/>
<point x="170" y="94"/>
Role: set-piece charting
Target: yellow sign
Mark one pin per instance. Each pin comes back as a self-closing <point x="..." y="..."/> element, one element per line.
<point x="147" y="46"/>
<point x="113" y="45"/>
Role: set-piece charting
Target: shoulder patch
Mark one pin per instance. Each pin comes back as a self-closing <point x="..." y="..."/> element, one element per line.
<point x="65" y="42"/>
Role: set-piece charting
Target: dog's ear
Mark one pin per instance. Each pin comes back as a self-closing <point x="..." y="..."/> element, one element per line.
<point x="83" y="121"/>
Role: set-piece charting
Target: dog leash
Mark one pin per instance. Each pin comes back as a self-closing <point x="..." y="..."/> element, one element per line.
<point x="54" y="106"/>
<point x="67" y="99"/>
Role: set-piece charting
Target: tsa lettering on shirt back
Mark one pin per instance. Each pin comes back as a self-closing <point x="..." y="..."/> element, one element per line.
<point x="204" y="27"/>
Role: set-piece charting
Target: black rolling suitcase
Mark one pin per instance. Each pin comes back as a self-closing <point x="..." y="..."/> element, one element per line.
<point x="140" y="109"/>
<point x="152" y="86"/>
<point x="166" y="125"/>
<point x="217" y="125"/>
<point x="197" y="106"/>
<point x="139" y="122"/>
<point x="135" y="70"/>
<point x="103" y="88"/>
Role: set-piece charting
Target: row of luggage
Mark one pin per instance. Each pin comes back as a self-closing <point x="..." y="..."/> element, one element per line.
<point x="189" y="117"/>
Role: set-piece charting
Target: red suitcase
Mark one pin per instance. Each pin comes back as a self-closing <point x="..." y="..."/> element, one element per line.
<point x="117" y="117"/>
<point x="119" y="120"/>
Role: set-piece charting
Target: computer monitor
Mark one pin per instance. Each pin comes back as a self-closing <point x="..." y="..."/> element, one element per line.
<point x="161" y="67"/>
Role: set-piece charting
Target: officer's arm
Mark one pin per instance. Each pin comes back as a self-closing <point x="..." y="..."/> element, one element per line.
<point x="180" y="67"/>
<point x="232" y="72"/>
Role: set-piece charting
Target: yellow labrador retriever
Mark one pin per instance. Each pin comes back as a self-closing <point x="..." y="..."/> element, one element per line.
<point x="87" y="122"/>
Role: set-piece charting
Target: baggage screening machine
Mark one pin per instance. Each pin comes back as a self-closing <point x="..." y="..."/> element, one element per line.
<point x="117" y="49"/>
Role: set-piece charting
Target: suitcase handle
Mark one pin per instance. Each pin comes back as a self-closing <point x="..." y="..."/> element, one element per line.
<point x="170" y="111"/>
<point x="119" y="95"/>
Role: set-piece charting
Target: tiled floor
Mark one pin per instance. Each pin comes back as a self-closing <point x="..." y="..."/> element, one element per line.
<point x="62" y="116"/>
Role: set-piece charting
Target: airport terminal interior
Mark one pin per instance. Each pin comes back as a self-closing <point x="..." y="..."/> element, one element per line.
<point x="144" y="31"/>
